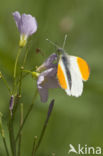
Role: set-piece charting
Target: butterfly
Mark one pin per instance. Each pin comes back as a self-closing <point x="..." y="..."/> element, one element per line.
<point x="71" y="72"/>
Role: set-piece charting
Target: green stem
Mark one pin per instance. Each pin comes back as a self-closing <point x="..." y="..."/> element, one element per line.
<point x="22" y="67"/>
<point x="11" y="136"/>
<point x="11" y="127"/>
<point x="5" y="145"/>
<point x="16" y="62"/>
<point x="21" y="121"/>
<point x="15" y="67"/>
<point x="11" y="119"/>
<point x="3" y="135"/>
<point x="25" y="56"/>
<point x="26" y="116"/>
<point x="6" y="84"/>
<point x="44" y="127"/>
<point x="27" y="71"/>
<point x="20" y="82"/>
<point x="34" y="143"/>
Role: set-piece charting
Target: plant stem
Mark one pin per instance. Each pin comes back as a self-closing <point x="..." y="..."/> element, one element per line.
<point x="44" y="127"/>
<point x="3" y="135"/>
<point x="17" y="97"/>
<point x="25" y="56"/>
<point x="15" y="67"/>
<point x="26" y="116"/>
<point x="20" y="82"/>
<point x="10" y="126"/>
<point x="21" y="121"/>
<point x="22" y="67"/>
<point x="16" y="61"/>
<point x="5" y="145"/>
<point x="11" y="135"/>
<point x="6" y="84"/>
<point x="34" y="143"/>
<point x="12" y="116"/>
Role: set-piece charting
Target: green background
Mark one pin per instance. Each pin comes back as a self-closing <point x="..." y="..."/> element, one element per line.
<point x="73" y="120"/>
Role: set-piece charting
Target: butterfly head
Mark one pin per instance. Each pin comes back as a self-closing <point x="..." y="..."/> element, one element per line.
<point x="60" y="50"/>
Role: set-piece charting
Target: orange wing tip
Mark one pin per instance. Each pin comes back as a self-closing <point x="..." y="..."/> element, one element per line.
<point x="61" y="77"/>
<point x="84" y="68"/>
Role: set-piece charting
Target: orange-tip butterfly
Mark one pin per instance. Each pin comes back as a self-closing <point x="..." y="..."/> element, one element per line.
<point x="71" y="72"/>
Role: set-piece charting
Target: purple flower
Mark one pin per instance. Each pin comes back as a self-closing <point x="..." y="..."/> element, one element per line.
<point x="48" y="63"/>
<point x="47" y="79"/>
<point x="26" y="25"/>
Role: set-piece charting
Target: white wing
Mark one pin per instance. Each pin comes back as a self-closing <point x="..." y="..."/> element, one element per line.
<point x="66" y="79"/>
<point x="76" y="78"/>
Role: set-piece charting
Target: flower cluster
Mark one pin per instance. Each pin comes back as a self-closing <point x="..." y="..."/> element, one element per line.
<point x="45" y="77"/>
<point x="46" y="73"/>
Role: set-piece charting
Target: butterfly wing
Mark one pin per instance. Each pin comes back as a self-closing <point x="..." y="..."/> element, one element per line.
<point x="62" y="76"/>
<point x="80" y="66"/>
<point x="77" y="83"/>
<point x="79" y="72"/>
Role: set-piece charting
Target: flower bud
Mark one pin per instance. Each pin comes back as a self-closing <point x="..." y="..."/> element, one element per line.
<point x="23" y="40"/>
<point x="35" y="74"/>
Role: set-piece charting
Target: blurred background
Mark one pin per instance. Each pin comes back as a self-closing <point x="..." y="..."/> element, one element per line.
<point x="73" y="120"/>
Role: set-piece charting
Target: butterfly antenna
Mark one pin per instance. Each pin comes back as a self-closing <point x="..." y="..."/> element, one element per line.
<point x="65" y="38"/>
<point x="52" y="43"/>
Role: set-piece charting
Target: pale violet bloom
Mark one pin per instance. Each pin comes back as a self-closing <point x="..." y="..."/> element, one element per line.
<point x="47" y="79"/>
<point x="48" y="63"/>
<point x="26" y="24"/>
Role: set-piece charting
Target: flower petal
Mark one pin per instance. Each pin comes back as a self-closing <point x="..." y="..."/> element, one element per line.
<point x="49" y="72"/>
<point x="43" y="91"/>
<point x="27" y="25"/>
<point x="46" y="80"/>
<point x="52" y="82"/>
<point x="17" y="17"/>
<point x="48" y="63"/>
